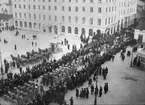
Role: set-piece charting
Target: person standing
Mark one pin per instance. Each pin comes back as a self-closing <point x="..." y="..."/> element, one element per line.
<point x="71" y="101"/>
<point x="32" y="43"/>
<point x="105" y="88"/>
<point x="35" y="43"/>
<point x="92" y="89"/>
<point x="15" y="47"/>
<point x="77" y="92"/>
<point x="68" y="46"/>
<point x="100" y="92"/>
<point x="96" y="91"/>
<point x="87" y="93"/>
<point x="20" y="70"/>
<point x="2" y="71"/>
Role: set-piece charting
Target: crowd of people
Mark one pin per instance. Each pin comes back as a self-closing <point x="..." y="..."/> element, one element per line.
<point x="90" y="60"/>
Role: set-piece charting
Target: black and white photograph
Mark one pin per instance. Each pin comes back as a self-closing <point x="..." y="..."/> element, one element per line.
<point x="72" y="52"/>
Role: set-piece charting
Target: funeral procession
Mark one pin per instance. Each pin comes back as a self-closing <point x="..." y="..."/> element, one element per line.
<point x="72" y="52"/>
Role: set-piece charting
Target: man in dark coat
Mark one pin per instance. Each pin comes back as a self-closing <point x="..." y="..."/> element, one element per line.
<point x="92" y="89"/>
<point x="77" y="92"/>
<point x="105" y="88"/>
<point x="15" y="47"/>
<point x="100" y="92"/>
<point x="96" y="91"/>
<point x="87" y="93"/>
<point x="71" y="101"/>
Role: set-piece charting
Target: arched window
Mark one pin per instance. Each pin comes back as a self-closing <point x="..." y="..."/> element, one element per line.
<point x="16" y="23"/>
<point x="83" y="31"/>
<point x="55" y="29"/>
<point x="99" y="22"/>
<point x="90" y="32"/>
<point x="69" y="29"/>
<point x="30" y="25"/>
<point x="34" y="25"/>
<point x="63" y="29"/>
<point x="109" y="20"/>
<point x="25" y="23"/>
<point x="50" y="29"/>
<point x="76" y="30"/>
<point x="91" y="21"/>
<point x="21" y="24"/>
<point x="83" y="20"/>
<point x="39" y="25"/>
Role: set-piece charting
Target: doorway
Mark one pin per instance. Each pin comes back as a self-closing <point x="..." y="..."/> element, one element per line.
<point x="140" y="38"/>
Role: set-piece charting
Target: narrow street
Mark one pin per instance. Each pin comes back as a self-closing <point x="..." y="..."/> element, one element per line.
<point x="126" y="85"/>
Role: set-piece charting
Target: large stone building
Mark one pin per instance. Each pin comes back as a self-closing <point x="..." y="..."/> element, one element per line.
<point x="73" y="16"/>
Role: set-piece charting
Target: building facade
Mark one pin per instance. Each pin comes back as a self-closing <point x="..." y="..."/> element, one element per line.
<point x="140" y="7"/>
<point x="75" y="17"/>
<point x="6" y="22"/>
<point x="6" y="7"/>
<point x="139" y="33"/>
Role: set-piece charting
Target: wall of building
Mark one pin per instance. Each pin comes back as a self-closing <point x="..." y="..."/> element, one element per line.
<point x="5" y="9"/>
<point x="141" y="4"/>
<point x="4" y="23"/>
<point x="139" y="32"/>
<point x="4" y="1"/>
<point x="89" y="15"/>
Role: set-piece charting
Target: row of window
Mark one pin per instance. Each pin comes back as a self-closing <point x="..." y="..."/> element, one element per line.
<point x="107" y="1"/>
<point x="110" y="20"/>
<point x="55" y="18"/>
<point x="63" y="28"/>
<point x="129" y="3"/>
<point x="84" y="1"/>
<point x="55" y="8"/>
<point x="111" y="9"/>
<point x="128" y="11"/>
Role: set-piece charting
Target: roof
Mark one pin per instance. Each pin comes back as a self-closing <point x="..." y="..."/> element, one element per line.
<point x="141" y="25"/>
<point x="5" y="17"/>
